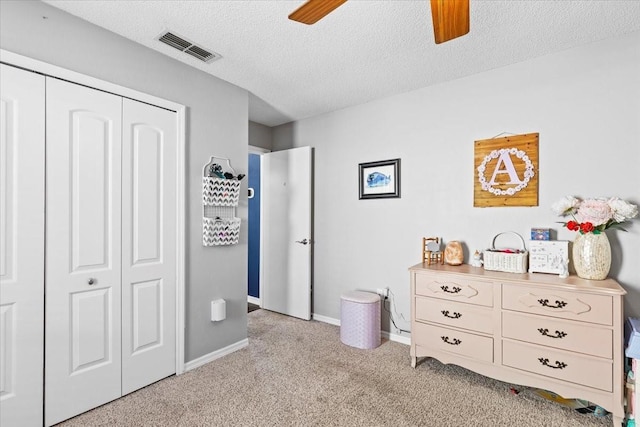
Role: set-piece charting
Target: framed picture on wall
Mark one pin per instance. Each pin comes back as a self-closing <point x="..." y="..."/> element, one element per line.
<point x="379" y="180"/>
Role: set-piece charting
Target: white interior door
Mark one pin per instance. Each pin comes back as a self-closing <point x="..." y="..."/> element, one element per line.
<point x="83" y="246"/>
<point x="287" y="232"/>
<point x="21" y="246"/>
<point x="149" y="152"/>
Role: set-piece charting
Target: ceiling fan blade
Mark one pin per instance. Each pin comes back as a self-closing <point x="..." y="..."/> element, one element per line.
<point x="314" y="10"/>
<point x="450" y="19"/>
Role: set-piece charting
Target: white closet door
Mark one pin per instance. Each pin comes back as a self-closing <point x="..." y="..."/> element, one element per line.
<point x="21" y="246"/>
<point x="83" y="244"/>
<point x="149" y="152"/>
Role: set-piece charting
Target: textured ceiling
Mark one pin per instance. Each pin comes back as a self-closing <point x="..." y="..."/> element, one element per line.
<point x="362" y="51"/>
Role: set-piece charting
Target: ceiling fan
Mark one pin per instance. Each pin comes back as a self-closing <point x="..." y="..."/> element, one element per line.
<point x="450" y="17"/>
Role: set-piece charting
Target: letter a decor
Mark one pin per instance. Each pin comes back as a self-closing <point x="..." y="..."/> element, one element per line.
<point x="506" y="171"/>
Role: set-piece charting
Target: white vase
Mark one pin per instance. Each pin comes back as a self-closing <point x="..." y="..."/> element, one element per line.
<point x="592" y="256"/>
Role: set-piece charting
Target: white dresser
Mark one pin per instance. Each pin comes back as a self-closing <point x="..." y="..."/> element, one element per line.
<point x="562" y="335"/>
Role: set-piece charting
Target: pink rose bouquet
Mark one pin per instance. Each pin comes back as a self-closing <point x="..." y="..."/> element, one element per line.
<point x="594" y="215"/>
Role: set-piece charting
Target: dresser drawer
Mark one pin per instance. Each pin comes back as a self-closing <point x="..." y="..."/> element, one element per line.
<point x="454" y="288"/>
<point x="451" y="313"/>
<point x="562" y="304"/>
<point x="463" y="343"/>
<point x="558" y="364"/>
<point x="565" y="335"/>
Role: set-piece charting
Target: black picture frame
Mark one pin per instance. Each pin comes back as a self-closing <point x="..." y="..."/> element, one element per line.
<point x="379" y="180"/>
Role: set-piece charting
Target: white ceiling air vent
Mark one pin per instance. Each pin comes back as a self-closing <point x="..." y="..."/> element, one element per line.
<point x="186" y="46"/>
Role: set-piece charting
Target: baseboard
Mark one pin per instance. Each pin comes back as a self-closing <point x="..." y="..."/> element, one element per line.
<point x="325" y="319"/>
<point x="402" y="339"/>
<point x="203" y="360"/>
<point x="388" y="335"/>
<point x="254" y="300"/>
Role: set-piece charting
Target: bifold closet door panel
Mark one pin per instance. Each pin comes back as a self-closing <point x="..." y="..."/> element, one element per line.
<point x="22" y="135"/>
<point x="149" y="152"/>
<point x="83" y="249"/>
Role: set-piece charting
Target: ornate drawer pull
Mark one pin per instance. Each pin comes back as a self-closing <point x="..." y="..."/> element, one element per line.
<point x="545" y="362"/>
<point x="455" y="315"/>
<point x="545" y="303"/>
<point x="454" y="291"/>
<point x="455" y="341"/>
<point x="545" y="332"/>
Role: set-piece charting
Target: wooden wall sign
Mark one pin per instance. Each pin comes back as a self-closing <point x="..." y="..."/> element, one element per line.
<point x="506" y="171"/>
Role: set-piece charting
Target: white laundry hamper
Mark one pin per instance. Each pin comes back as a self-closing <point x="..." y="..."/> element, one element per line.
<point x="360" y="319"/>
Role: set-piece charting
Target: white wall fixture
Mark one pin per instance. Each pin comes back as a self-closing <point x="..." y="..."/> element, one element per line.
<point x="218" y="310"/>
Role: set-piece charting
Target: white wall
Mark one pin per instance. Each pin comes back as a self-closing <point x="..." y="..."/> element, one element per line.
<point x="584" y="102"/>
<point x="217" y="117"/>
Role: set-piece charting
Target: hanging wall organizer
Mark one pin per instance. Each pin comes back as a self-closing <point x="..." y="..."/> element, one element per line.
<point x="220" y="195"/>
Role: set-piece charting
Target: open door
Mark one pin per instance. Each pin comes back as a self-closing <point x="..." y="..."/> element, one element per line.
<point x="287" y="232"/>
<point x="254" y="240"/>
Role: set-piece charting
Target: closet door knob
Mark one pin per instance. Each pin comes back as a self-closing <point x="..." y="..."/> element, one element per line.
<point x="91" y="281"/>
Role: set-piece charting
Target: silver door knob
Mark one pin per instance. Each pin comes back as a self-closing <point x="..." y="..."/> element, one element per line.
<point x="303" y="241"/>
<point x="91" y="281"/>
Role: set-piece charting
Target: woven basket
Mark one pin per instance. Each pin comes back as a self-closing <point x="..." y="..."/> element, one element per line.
<point x="220" y="192"/>
<point x="220" y="231"/>
<point x="515" y="262"/>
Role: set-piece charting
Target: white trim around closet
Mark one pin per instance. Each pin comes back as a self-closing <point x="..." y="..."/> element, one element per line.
<point x="37" y="66"/>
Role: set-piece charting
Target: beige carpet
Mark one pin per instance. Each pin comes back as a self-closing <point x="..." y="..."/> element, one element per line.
<point x="297" y="373"/>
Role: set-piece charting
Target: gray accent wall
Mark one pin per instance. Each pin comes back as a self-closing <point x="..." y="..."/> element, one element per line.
<point x="260" y="135"/>
<point x="216" y="123"/>
<point x="584" y="102"/>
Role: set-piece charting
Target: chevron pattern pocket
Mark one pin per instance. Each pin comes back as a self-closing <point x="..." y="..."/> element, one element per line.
<point x="220" y="231"/>
<point x="220" y="192"/>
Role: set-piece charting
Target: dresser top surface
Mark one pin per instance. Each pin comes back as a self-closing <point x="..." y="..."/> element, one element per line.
<point x="609" y="286"/>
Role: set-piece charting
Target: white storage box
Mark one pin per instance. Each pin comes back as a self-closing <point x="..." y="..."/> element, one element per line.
<point x="360" y="319"/>
<point x="632" y="338"/>
<point x="548" y="256"/>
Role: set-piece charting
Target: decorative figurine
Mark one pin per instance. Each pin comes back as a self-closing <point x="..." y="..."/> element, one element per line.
<point x="564" y="268"/>
<point x="477" y="259"/>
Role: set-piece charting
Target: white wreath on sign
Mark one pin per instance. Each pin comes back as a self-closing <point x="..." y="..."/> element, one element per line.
<point x="528" y="171"/>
